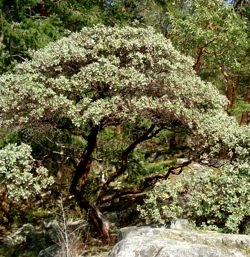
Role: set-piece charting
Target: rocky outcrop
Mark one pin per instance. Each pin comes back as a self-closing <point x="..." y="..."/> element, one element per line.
<point x="162" y="242"/>
<point x="25" y="241"/>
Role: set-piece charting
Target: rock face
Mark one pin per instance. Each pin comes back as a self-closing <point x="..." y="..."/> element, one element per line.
<point x="51" y="251"/>
<point x="162" y="242"/>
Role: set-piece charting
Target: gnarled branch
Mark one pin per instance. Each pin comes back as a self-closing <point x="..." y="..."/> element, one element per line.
<point x="148" y="134"/>
<point x="148" y="182"/>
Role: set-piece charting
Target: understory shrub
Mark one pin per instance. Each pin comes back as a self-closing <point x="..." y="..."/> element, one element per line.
<point x="215" y="199"/>
<point x="21" y="175"/>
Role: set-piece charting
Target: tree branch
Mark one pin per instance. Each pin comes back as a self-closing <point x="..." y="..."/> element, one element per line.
<point x="148" y="182"/>
<point x="148" y="134"/>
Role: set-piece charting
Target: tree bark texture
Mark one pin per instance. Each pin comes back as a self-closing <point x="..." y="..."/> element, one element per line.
<point x="245" y="115"/>
<point x="198" y="60"/>
<point x="81" y="174"/>
<point x="231" y="88"/>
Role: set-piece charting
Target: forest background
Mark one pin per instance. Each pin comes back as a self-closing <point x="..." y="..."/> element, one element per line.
<point x="214" y="33"/>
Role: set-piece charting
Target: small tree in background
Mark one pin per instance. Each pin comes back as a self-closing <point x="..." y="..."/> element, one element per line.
<point x="22" y="178"/>
<point x="215" y="34"/>
<point x="21" y="175"/>
<point x="103" y="77"/>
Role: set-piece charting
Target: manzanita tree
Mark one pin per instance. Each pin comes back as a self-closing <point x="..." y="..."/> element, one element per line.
<point x="216" y="36"/>
<point x="103" y="77"/>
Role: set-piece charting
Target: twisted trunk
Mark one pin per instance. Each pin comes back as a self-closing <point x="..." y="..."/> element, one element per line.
<point x="79" y="181"/>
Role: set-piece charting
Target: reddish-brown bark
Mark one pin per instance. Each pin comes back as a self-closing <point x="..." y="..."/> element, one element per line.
<point x="245" y="115"/>
<point x="79" y="181"/>
<point x="231" y="88"/>
<point x="198" y="60"/>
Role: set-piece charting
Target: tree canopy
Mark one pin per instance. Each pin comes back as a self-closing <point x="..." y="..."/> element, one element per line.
<point x="107" y="74"/>
<point x="102" y="76"/>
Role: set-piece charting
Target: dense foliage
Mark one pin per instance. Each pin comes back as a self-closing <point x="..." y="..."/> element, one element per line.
<point x="208" y="198"/>
<point x="106" y="72"/>
<point x="32" y="24"/>
<point x="21" y="176"/>
<point x="217" y="33"/>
